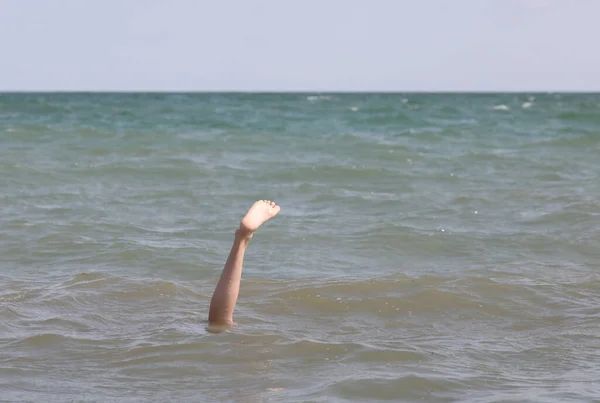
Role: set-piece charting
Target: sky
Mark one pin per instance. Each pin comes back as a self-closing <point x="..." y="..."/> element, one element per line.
<point x="292" y="45"/>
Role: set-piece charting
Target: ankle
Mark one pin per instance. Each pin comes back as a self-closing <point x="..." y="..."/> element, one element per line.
<point x="242" y="235"/>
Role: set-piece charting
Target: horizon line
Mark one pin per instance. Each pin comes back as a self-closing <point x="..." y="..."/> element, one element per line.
<point x="58" y="91"/>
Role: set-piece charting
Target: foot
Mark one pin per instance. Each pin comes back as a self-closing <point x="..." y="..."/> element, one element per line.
<point x="261" y="212"/>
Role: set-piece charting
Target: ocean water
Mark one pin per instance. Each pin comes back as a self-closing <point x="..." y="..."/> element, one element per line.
<point x="430" y="247"/>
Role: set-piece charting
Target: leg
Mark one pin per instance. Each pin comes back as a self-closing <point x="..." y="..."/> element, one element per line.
<point x="226" y="293"/>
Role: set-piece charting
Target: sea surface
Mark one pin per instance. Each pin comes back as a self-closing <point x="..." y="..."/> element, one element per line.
<point x="430" y="247"/>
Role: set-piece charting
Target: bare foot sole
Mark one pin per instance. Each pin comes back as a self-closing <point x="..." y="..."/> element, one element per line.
<point x="261" y="212"/>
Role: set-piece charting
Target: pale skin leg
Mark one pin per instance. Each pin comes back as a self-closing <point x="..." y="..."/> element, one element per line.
<point x="226" y="293"/>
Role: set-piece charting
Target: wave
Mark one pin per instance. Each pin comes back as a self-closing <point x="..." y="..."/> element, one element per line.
<point x="580" y="116"/>
<point x="328" y="173"/>
<point x="580" y="141"/>
<point x="50" y="341"/>
<point x="318" y="98"/>
<point x="428" y="293"/>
